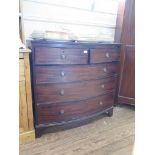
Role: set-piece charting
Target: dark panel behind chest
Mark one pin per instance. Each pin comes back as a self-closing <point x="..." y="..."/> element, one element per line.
<point x="126" y="86"/>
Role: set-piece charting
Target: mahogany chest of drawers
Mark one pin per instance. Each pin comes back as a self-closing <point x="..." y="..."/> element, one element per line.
<point x="72" y="81"/>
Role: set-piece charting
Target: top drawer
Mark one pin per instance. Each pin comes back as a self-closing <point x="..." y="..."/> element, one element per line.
<point x="104" y="55"/>
<point x="45" y="55"/>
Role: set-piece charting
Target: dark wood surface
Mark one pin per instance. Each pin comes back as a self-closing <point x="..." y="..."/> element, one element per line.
<point x="72" y="88"/>
<point x="119" y="21"/>
<point x="58" y="74"/>
<point x="126" y="83"/>
<point x="51" y="93"/>
<point x="46" y="55"/>
<point x="104" y="55"/>
<point x="67" y="111"/>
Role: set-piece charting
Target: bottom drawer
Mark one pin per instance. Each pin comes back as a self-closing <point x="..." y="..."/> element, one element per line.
<point x="61" y="112"/>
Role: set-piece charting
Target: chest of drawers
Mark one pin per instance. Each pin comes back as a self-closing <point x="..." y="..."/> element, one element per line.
<point x="72" y="82"/>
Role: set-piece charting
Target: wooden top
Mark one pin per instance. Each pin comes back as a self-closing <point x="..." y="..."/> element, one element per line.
<point x="73" y="42"/>
<point x="70" y="44"/>
<point x="24" y="50"/>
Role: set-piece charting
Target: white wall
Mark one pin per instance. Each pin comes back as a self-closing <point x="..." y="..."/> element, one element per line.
<point x="79" y="16"/>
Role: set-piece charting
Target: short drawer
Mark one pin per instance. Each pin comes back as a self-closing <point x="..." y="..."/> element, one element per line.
<point x="55" y="74"/>
<point x="44" y="55"/>
<point x="52" y="93"/>
<point x="104" y="55"/>
<point x="68" y="111"/>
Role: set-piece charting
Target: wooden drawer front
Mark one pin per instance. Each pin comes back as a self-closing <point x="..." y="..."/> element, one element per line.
<point x="44" y="55"/>
<point x="51" y="93"/>
<point x="73" y="110"/>
<point x="104" y="55"/>
<point x="53" y="74"/>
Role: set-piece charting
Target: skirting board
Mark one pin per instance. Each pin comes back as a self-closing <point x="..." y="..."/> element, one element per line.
<point x="27" y="136"/>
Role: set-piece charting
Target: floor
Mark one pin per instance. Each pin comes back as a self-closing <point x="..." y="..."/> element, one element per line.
<point x="106" y="136"/>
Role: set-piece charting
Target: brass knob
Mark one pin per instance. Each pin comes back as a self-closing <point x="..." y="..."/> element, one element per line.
<point x="105" y="69"/>
<point x="63" y="56"/>
<point x="62" y="92"/>
<point x="101" y="103"/>
<point x="85" y="51"/>
<point x="62" y="73"/>
<point x="62" y="111"/>
<point x="102" y="86"/>
<point x="107" y="55"/>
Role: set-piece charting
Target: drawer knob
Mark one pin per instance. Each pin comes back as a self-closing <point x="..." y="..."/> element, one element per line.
<point x="62" y="92"/>
<point x="102" y="86"/>
<point x="101" y="103"/>
<point x="62" y="73"/>
<point x="105" y="69"/>
<point x="62" y="111"/>
<point x="63" y="57"/>
<point x="107" y="55"/>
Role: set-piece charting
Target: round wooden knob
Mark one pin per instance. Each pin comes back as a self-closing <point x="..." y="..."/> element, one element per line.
<point x="62" y="73"/>
<point x="62" y="111"/>
<point x="62" y="92"/>
<point x="105" y="69"/>
<point x="63" y="57"/>
<point x="107" y="55"/>
<point x="102" y="86"/>
<point x="101" y="103"/>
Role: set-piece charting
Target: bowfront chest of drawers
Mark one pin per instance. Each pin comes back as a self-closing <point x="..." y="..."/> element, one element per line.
<point x="72" y="82"/>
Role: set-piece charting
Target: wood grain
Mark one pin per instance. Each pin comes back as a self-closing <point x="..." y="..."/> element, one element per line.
<point x="119" y="21"/>
<point x="28" y="90"/>
<point x="21" y="70"/>
<point x="27" y="136"/>
<point x="23" y="106"/>
<point x="128" y="88"/>
<point x="104" y="55"/>
<point x="50" y="113"/>
<point x="46" y="55"/>
<point x="59" y="74"/>
<point x="63" y="72"/>
<point x="98" y="138"/>
<point x="126" y="84"/>
<point x="25" y="99"/>
<point x="51" y="93"/>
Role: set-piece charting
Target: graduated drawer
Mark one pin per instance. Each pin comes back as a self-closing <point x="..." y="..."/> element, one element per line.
<point x="53" y="74"/>
<point x="104" y="55"/>
<point x="45" y="55"/>
<point x="52" y="93"/>
<point x="68" y="111"/>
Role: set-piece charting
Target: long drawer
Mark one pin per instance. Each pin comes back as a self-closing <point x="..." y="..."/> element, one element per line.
<point x="104" y="55"/>
<point x="51" y="93"/>
<point x="68" y="111"/>
<point x="56" y="74"/>
<point x="45" y="55"/>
